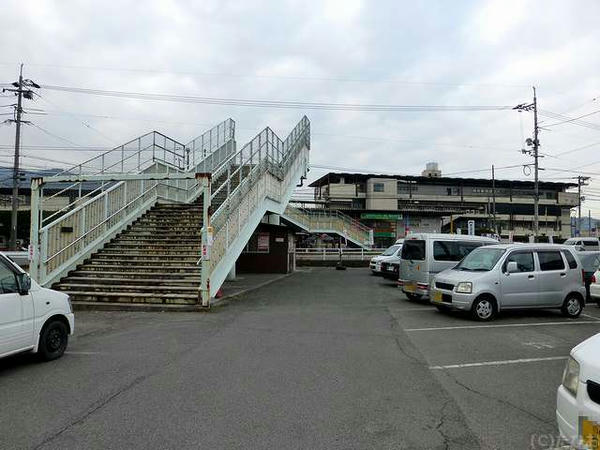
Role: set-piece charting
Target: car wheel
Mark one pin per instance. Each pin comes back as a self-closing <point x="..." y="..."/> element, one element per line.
<point x="484" y="308"/>
<point x="572" y="307"/>
<point x="440" y="308"/>
<point x="412" y="297"/>
<point x="53" y="340"/>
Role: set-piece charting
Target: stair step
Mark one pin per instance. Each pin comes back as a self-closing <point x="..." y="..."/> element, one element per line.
<point x="157" y="240"/>
<point x="165" y="233"/>
<point x="143" y="256"/>
<point x="120" y="245"/>
<point x="148" y="266"/>
<point x="126" y="288"/>
<point x="84" y="273"/>
<point x="129" y="297"/>
<point x="136" y="282"/>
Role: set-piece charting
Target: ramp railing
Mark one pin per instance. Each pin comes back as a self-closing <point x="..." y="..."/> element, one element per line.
<point x="326" y="221"/>
<point x="260" y="177"/>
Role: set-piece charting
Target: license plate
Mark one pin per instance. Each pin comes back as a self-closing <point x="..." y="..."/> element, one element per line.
<point x="590" y="434"/>
<point x="436" y="296"/>
<point x="410" y="287"/>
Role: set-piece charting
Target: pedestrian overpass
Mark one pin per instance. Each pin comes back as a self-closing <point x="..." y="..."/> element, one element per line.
<point x="159" y="221"/>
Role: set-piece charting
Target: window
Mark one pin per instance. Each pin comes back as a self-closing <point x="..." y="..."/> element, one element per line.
<point x="402" y="187"/>
<point x="378" y="187"/>
<point x="524" y="261"/>
<point x="8" y="280"/>
<point x="481" y="260"/>
<point x="570" y="259"/>
<point x="413" y="250"/>
<point x="449" y="191"/>
<point x="551" y="261"/>
<point x="390" y="251"/>
<point x="453" y="250"/>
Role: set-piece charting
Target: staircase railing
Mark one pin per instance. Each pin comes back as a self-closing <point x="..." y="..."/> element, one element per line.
<point x="325" y="221"/>
<point x="211" y="149"/>
<point x="110" y="195"/>
<point x="259" y="177"/>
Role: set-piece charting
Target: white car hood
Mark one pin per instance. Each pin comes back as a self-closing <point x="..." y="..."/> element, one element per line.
<point x="391" y="258"/>
<point x="379" y="258"/>
<point x="456" y="276"/>
<point x="588" y="355"/>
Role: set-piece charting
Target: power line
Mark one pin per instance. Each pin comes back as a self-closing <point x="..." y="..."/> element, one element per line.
<point x="56" y="136"/>
<point x="276" y="103"/>
<point x="282" y="77"/>
<point x="567" y="119"/>
<point x="573" y="119"/>
<point x="85" y="124"/>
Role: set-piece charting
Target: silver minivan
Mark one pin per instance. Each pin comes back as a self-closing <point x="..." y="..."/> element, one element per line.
<point x="513" y="276"/>
<point x="424" y="255"/>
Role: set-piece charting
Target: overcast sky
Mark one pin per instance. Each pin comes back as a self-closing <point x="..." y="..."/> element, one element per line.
<point x="342" y="51"/>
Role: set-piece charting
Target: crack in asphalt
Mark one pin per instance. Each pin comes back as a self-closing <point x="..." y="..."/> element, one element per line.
<point x="96" y="406"/>
<point x="499" y="400"/>
<point x="394" y="326"/>
<point x="441" y="422"/>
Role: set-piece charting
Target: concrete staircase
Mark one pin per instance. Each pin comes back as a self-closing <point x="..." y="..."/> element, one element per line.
<point x="153" y="261"/>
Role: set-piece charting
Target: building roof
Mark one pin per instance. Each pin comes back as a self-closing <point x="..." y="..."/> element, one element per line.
<point x="334" y="177"/>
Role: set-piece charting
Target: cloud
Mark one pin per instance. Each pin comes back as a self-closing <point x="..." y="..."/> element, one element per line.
<point x="415" y="53"/>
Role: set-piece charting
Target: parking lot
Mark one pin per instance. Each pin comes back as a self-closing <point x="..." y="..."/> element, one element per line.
<point x="502" y="374"/>
<point x="320" y="359"/>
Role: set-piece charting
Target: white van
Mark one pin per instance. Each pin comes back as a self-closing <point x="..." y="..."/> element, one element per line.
<point x="584" y="244"/>
<point x="392" y="252"/>
<point x="32" y="318"/>
<point x="424" y="255"/>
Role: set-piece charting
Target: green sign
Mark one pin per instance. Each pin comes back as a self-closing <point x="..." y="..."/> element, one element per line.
<point x="384" y="234"/>
<point x="381" y="216"/>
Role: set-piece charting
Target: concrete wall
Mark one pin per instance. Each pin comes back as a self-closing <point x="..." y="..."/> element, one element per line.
<point x="386" y="200"/>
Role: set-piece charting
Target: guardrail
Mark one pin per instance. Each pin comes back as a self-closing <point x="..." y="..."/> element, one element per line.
<point x="333" y="254"/>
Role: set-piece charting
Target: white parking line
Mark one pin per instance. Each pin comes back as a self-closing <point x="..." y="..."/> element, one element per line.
<point x="83" y="353"/>
<point x="498" y="363"/>
<point x="507" y="325"/>
<point x="590" y="316"/>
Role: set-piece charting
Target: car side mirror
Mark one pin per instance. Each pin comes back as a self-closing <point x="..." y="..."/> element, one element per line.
<point x="24" y="282"/>
<point x="512" y="267"/>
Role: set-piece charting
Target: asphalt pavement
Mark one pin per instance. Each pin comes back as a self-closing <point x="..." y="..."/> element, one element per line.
<point x="322" y="359"/>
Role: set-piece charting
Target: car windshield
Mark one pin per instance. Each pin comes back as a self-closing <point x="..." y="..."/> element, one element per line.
<point x="390" y="251"/>
<point x="481" y="259"/>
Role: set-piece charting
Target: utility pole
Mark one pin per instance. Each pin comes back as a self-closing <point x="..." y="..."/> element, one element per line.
<point x="495" y="228"/>
<point x="580" y="182"/>
<point x="23" y="89"/>
<point x="535" y="144"/>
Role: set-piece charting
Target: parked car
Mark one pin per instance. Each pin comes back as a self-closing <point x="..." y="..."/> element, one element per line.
<point x="390" y="269"/>
<point x="590" y="260"/>
<point x="578" y="396"/>
<point x="32" y="318"/>
<point x="424" y="255"/>
<point x="584" y="244"/>
<point x="595" y="287"/>
<point x="391" y="252"/>
<point x="513" y="276"/>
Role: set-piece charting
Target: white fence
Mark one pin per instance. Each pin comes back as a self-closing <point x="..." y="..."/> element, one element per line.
<point x="333" y="254"/>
